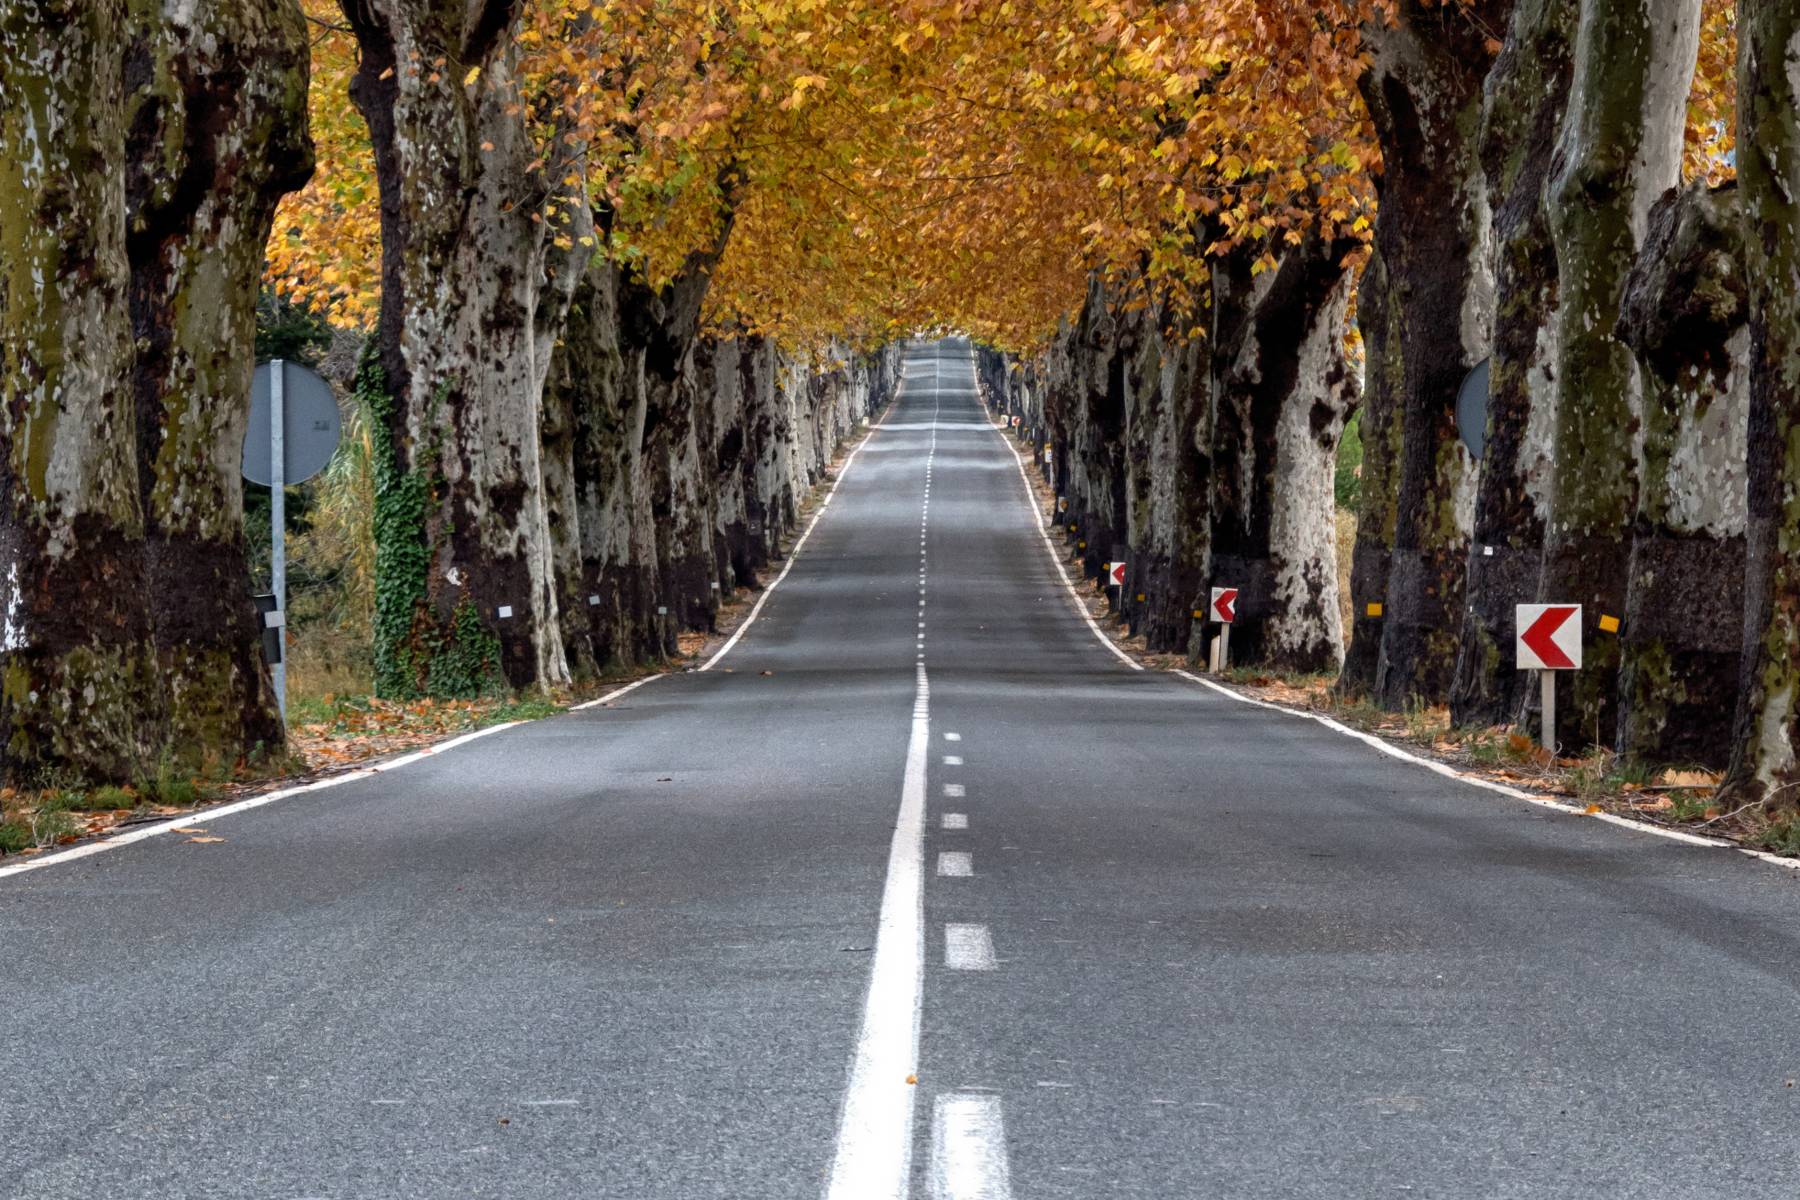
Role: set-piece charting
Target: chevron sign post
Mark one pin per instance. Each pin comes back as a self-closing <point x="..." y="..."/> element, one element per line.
<point x="1223" y="610"/>
<point x="1548" y="640"/>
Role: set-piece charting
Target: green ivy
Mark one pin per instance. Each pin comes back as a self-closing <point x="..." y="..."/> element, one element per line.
<point x="402" y="556"/>
<point x="415" y="655"/>
<point x="466" y="664"/>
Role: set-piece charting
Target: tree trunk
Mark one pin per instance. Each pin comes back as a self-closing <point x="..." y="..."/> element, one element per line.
<point x="1281" y="393"/>
<point x="1171" y="551"/>
<point x="1684" y="314"/>
<point x="79" y="694"/>
<point x="477" y="264"/>
<point x="1525" y="98"/>
<point x="1379" y="317"/>
<point x="1765" y="761"/>
<point x="217" y="135"/>
<point x="1101" y="351"/>
<point x="1424" y="94"/>
<point x="1620" y="150"/>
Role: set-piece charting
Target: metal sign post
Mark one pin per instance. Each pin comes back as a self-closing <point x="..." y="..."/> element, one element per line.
<point x="278" y="522"/>
<point x="293" y="432"/>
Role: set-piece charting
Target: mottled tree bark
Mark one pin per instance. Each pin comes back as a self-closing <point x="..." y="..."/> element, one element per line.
<point x="1171" y="542"/>
<point x="1620" y="150"/>
<point x="1378" y="317"/>
<point x="1525" y="97"/>
<point x="1281" y="392"/>
<point x="478" y="258"/>
<point x="79" y="694"/>
<point x="1096" y="361"/>
<point x="217" y="135"/>
<point x="1424" y="94"/>
<point x="1684" y="313"/>
<point x="1765" y="761"/>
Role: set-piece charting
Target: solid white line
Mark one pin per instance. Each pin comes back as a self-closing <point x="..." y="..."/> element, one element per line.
<point x="957" y="864"/>
<point x="968" y="1149"/>
<point x="209" y="815"/>
<point x="1056" y="559"/>
<point x="611" y="696"/>
<point x="1448" y="772"/>
<point x="1388" y="748"/>
<point x="968" y="948"/>
<point x="956" y="820"/>
<point x="875" y="1128"/>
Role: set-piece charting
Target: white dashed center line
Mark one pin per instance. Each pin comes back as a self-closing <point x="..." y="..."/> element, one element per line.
<point x="968" y="948"/>
<point x="957" y="864"/>
<point x="968" y="1149"/>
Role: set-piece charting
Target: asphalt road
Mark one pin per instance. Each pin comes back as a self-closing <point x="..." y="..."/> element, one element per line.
<point x="1127" y="938"/>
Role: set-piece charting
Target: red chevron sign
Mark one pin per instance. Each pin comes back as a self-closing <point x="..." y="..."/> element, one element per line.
<point x="1549" y="637"/>
<point x="1224" y="605"/>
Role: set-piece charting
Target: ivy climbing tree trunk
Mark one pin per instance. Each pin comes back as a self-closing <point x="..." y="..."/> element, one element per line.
<point x="217" y="135"/>
<point x="1424" y="94"/>
<point x="1766" y="752"/>
<point x="78" y="686"/>
<point x="1684" y="316"/>
<point x="1526" y="94"/>
<point x="1620" y="151"/>
<point x="481" y="247"/>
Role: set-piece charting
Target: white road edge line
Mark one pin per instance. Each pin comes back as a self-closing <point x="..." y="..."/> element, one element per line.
<point x="968" y="1149"/>
<point x="209" y="815"/>
<point x="794" y="554"/>
<point x="226" y="810"/>
<point x="1056" y="559"/>
<point x="611" y="696"/>
<point x="1388" y="748"/>
<point x="968" y="948"/>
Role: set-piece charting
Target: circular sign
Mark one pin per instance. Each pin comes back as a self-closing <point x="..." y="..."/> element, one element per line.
<point x="310" y="425"/>
<point x="1472" y="409"/>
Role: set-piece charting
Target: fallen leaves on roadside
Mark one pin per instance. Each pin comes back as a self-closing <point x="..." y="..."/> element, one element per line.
<point x="205" y="841"/>
<point x="1689" y="779"/>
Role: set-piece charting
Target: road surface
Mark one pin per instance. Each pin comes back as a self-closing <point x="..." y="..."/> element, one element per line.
<point x="918" y="891"/>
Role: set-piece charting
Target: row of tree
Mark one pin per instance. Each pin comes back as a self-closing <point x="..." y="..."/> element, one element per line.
<point x="612" y="256"/>
<point x="567" y="473"/>
<point x="1558" y="194"/>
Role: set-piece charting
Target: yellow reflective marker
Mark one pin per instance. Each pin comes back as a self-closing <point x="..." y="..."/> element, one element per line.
<point x="1140" y="595"/>
<point x="1199" y="614"/>
<point x="1374" y="610"/>
<point x="1608" y="624"/>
